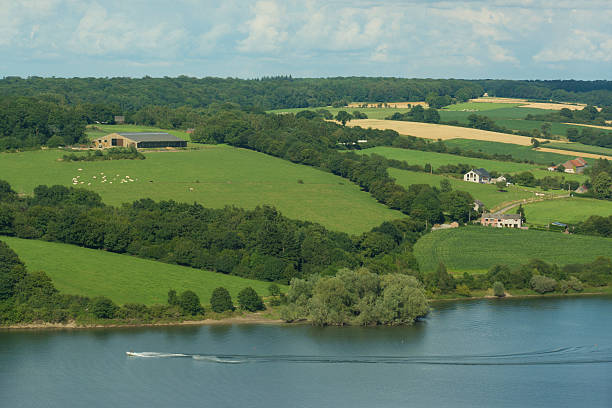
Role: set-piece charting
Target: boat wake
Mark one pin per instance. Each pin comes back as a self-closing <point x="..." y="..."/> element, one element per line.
<point x="564" y="355"/>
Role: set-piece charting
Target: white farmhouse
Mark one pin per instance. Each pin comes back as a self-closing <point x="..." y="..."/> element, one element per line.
<point x="477" y="176"/>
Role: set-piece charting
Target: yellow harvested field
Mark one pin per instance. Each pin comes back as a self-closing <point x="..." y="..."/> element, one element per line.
<point x="593" y="126"/>
<point x="395" y="105"/>
<point x="577" y="154"/>
<point x="498" y="100"/>
<point x="554" y="106"/>
<point x="444" y="132"/>
<point x="536" y="105"/>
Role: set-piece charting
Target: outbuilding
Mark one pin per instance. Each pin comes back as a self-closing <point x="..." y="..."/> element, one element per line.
<point x="140" y="140"/>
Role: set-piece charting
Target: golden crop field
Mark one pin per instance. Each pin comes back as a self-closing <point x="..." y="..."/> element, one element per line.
<point x="536" y="105"/>
<point x="444" y="132"/>
<point x="396" y="105"/>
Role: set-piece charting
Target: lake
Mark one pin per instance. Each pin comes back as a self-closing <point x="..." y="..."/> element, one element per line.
<point x="546" y="352"/>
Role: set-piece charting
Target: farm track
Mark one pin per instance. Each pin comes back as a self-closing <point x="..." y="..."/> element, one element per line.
<point x="510" y="205"/>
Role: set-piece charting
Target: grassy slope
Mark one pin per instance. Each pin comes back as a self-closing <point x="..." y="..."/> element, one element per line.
<point x="486" y="193"/>
<point x="476" y="249"/>
<point x="438" y="159"/>
<point x="519" y="152"/>
<point x="569" y="211"/>
<point x="102" y="130"/>
<point x="123" y="278"/>
<point x="579" y="147"/>
<point x="373" y="113"/>
<point x="226" y="175"/>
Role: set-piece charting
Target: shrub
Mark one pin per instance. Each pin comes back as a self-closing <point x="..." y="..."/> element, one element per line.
<point x="56" y="141"/>
<point x="190" y="303"/>
<point x="274" y="290"/>
<point x="172" y="298"/>
<point x="249" y="300"/>
<point x="463" y="290"/>
<point x="543" y="284"/>
<point x="104" y="308"/>
<point x="220" y="301"/>
<point x="498" y="289"/>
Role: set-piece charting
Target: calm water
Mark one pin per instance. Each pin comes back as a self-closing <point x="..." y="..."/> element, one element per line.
<point x="536" y="353"/>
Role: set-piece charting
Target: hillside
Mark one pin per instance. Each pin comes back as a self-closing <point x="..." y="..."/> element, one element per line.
<point x="122" y="278"/>
<point x="214" y="176"/>
<point x="476" y="249"/>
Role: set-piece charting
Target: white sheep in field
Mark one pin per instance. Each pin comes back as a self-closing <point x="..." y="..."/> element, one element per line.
<point x="80" y="169"/>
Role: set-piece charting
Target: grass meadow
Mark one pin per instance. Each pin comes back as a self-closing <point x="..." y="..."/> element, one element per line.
<point x="214" y="176"/>
<point x="439" y="159"/>
<point x="518" y="152"/>
<point x="94" y="131"/>
<point x="487" y="193"/>
<point x="122" y="278"/>
<point x="568" y="211"/>
<point x="476" y="249"/>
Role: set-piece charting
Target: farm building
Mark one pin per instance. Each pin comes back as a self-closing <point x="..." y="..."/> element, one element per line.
<point x="501" y="220"/>
<point x="576" y="165"/>
<point x="477" y="176"/>
<point x="139" y="140"/>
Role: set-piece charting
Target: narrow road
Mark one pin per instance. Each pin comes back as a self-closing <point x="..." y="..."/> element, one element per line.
<point x="509" y="206"/>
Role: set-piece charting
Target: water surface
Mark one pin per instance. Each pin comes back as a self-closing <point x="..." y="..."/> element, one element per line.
<point x="490" y="353"/>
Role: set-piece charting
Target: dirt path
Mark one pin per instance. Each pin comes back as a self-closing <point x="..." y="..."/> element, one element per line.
<point x="508" y="206"/>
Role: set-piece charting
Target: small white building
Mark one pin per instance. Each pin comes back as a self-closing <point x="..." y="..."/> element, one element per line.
<point x="477" y="176"/>
<point x="501" y="220"/>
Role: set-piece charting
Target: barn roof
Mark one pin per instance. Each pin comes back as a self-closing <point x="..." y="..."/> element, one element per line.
<point x="150" y="137"/>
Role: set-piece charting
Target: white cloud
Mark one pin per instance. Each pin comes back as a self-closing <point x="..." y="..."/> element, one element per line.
<point x="579" y="46"/>
<point x="500" y="54"/>
<point x="100" y="33"/>
<point x="266" y="30"/>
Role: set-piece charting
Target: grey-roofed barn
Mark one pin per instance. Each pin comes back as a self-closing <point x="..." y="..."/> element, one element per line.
<point x="139" y="140"/>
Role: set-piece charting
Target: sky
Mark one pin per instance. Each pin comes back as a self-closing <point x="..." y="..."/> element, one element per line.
<point x="512" y="39"/>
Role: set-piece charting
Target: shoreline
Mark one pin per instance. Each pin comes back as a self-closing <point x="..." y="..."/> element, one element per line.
<point x="254" y="318"/>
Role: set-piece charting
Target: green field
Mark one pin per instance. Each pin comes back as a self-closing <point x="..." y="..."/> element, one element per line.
<point x="579" y="147"/>
<point x="122" y="278"/>
<point x="439" y="159"/>
<point x="94" y="131"/>
<point x="487" y="193"/>
<point x="476" y="249"/>
<point x="478" y="106"/>
<point x="214" y="176"/>
<point x="372" y="113"/>
<point x="568" y="211"/>
<point x="518" y="152"/>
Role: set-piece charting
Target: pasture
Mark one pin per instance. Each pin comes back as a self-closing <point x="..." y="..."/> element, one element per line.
<point x="476" y="249"/>
<point x="487" y="193"/>
<point x="94" y="131"/>
<point x="439" y="159"/>
<point x="373" y="113"/>
<point x="122" y="278"/>
<point x="568" y="211"/>
<point x="579" y="147"/>
<point x="214" y="176"/>
<point x="518" y="152"/>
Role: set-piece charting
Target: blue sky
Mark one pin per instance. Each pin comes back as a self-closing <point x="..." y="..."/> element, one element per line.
<point x="528" y="39"/>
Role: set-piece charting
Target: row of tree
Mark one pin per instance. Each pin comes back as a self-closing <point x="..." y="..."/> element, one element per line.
<point x="260" y="243"/>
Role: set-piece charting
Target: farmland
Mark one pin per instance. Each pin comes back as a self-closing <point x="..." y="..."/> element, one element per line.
<point x="440" y="159"/>
<point x="94" y="131"/>
<point x="487" y="193"/>
<point x="476" y="249"/>
<point x="518" y="152"/>
<point x="569" y="211"/>
<point x="122" y="278"/>
<point x="477" y="106"/>
<point x="372" y="113"/>
<point x="443" y="132"/>
<point x="214" y="176"/>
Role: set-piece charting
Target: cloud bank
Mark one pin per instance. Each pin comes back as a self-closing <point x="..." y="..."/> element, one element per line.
<point x="467" y="39"/>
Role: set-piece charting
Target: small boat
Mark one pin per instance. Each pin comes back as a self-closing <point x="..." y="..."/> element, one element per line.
<point x="131" y="354"/>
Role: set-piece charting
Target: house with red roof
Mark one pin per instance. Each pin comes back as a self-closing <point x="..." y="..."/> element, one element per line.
<point x="576" y="165"/>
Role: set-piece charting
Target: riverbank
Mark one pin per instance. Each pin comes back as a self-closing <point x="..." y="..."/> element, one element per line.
<point x="252" y="318"/>
<point x="270" y="316"/>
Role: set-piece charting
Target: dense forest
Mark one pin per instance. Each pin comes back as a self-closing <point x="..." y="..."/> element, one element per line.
<point x="126" y="95"/>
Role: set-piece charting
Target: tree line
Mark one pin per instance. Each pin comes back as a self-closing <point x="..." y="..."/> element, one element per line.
<point x="260" y="244"/>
